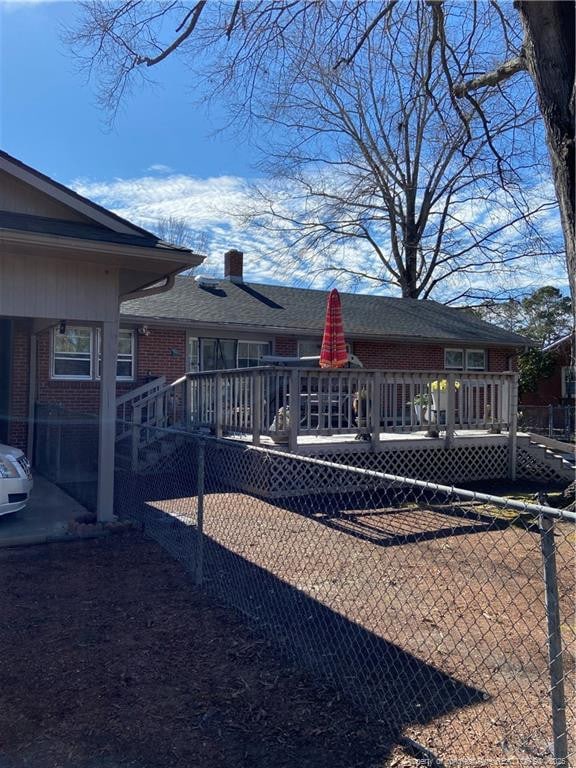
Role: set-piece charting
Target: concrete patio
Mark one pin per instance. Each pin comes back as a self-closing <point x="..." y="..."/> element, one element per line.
<point x="44" y="519"/>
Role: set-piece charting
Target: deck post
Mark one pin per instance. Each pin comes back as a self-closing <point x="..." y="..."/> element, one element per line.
<point x="257" y="408"/>
<point x="512" y="426"/>
<point x="107" y="424"/>
<point x="217" y="404"/>
<point x="376" y="409"/>
<point x="294" y="417"/>
<point x="450" y="410"/>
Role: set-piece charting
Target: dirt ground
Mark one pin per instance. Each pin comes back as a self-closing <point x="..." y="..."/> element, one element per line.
<point x="110" y="658"/>
<point x="437" y="619"/>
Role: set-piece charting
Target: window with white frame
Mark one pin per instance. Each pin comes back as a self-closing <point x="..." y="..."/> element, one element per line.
<point x="249" y="353"/>
<point x="76" y="354"/>
<point x="125" y="360"/>
<point x="72" y="353"/>
<point x="475" y="360"/>
<point x="193" y="361"/>
<point x="313" y="348"/>
<point x="309" y="348"/>
<point x="465" y="359"/>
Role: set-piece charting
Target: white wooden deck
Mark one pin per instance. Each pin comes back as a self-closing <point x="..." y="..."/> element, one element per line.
<point x="347" y="443"/>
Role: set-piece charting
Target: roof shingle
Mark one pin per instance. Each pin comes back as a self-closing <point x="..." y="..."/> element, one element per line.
<point x="286" y="309"/>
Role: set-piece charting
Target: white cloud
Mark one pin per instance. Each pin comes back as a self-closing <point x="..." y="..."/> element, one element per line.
<point x="160" y="168"/>
<point x="216" y="206"/>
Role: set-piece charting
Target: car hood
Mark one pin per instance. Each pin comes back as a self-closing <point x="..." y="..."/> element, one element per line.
<point x="10" y="450"/>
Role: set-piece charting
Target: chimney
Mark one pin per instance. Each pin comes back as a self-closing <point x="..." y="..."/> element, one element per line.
<point x="234" y="266"/>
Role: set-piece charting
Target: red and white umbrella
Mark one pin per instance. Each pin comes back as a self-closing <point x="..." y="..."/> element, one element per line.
<point x="333" y="353"/>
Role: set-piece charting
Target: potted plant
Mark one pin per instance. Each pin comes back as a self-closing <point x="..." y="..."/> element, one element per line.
<point x="420" y="404"/>
<point x="439" y="392"/>
<point x="280" y="427"/>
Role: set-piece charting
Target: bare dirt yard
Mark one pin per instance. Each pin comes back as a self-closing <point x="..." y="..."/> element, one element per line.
<point x="433" y="617"/>
<point x="110" y="658"/>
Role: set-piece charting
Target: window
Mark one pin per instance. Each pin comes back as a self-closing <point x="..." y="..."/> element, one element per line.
<point x="313" y="348"/>
<point x="125" y="362"/>
<point x="76" y="354"/>
<point x="475" y="360"/>
<point x="250" y="353"/>
<point x="72" y="358"/>
<point x="193" y="362"/>
<point x="309" y="348"/>
<point x="468" y="360"/>
<point x="454" y="358"/>
<point x="217" y="354"/>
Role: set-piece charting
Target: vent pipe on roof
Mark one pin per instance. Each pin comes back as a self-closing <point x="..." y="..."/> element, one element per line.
<point x="234" y="266"/>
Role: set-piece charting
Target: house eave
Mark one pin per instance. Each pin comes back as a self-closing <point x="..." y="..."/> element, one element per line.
<point x="307" y="332"/>
<point x="115" y="254"/>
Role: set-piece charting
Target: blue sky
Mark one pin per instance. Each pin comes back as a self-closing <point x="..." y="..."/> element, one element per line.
<point x="160" y="158"/>
<point x="50" y="118"/>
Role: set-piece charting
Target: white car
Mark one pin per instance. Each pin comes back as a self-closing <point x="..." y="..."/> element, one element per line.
<point x="15" y="479"/>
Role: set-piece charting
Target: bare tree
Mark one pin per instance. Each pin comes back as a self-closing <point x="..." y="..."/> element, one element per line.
<point x="175" y="230"/>
<point x="253" y="43"/>
<point x="378" y="157"/>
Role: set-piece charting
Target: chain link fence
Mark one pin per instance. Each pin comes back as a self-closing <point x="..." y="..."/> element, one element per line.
<point x="550" y="420"/>
<point x="447" y="614"/>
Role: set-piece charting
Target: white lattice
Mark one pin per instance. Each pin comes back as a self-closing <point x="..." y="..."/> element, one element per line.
<point x="272" y="475"/>
<point x="540" y="470"/>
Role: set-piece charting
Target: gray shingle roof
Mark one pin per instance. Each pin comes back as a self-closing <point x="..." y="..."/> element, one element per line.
<point x="42" y="225"/>
<point x="285" y="309"/>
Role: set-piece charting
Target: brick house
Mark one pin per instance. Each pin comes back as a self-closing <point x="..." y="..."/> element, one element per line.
<point x="560" y="387"/>
<point x="67" y="263"/>
<point x="229" y="323"/>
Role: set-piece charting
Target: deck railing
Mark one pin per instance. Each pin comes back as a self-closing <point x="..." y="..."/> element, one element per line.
<point x="284" y="403"/>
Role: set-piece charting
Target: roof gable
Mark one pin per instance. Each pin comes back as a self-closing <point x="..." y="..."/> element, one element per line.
<point x="25" y="190"/>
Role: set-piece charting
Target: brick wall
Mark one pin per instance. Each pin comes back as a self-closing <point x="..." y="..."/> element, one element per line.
<point x="286" y="346"/>
<point x="163" y="353"/>
<point x="397" y="356"/>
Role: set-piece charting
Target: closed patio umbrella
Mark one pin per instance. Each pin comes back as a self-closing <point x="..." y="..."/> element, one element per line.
<point x="333" y="353"/>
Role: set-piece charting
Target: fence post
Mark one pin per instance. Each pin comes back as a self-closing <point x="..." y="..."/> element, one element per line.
<point x="199" y="577"/>
<point x="512" y="426"/>
<point x="555" y="659"/>
<point x="450" y="410"/>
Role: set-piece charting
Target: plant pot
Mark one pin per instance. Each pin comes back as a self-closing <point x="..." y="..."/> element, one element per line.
<point x="282" y="437"/>
<point x="421" y="412"/>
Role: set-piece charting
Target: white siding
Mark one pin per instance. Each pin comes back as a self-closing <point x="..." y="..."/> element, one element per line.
<point x="18" y="197"/>
<point x="46" y="287"/>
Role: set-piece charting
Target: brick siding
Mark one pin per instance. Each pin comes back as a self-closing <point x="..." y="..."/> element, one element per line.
<point x="163" y="353"/>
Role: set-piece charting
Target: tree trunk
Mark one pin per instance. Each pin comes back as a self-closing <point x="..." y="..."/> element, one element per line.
<point x="550" y="55"/>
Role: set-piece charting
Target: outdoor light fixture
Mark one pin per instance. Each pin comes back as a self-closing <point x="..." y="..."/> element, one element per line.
<point x="144" y="330"/>
<point x="62" y="327"/>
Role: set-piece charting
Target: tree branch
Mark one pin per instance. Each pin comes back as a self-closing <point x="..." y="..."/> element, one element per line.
<point x="498" y="75"/>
